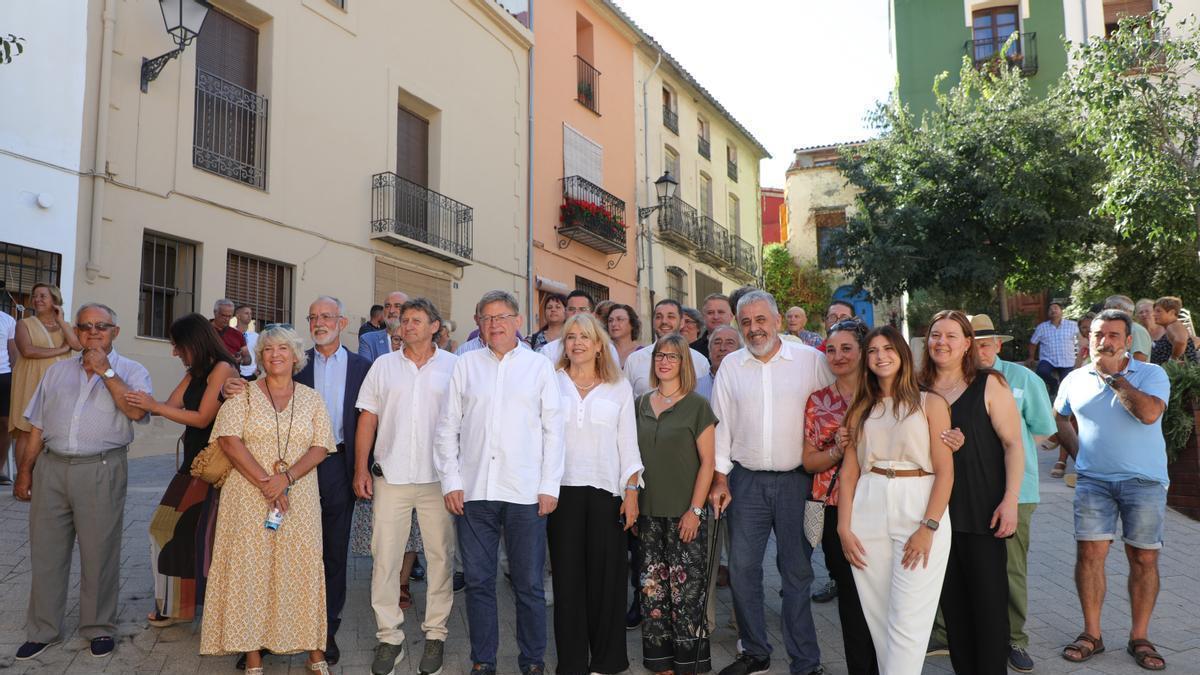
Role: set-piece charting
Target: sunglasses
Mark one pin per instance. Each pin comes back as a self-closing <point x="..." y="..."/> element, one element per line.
<point x="89" y="327"/>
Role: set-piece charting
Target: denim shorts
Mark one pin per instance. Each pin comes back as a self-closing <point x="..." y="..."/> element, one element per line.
<point x="1141" y="504"/>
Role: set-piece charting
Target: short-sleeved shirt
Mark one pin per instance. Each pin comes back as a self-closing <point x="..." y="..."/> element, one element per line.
<point x="670" y="454"/>
<point x="251" y="341"/>
<point x="233" y="339"/>
<point x="823" y="414"/>
<point x="1037" y="419"/>
<point x="1056" y="344"/>
<point x="8" y="329"/>
<point x="1113" y="444"/>
<point x="1142" y="343"/>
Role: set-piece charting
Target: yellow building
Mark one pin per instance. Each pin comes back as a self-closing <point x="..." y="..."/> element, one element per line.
<point x="299" y="148"/>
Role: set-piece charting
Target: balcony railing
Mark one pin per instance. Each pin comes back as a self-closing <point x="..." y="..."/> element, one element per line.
<point x="1022" y="54"/>
<point x="731" y="170"/>
<point x="413" y="216"/>
<point x="714" y="243"/>
<point x="230" y="134"/>
<point x="670" y="118"/>
<point x="678" y="224"/>
<point x="592" y="216"/>
<point x="745" y="258"/>
<point x="704" y="147"/>
<point x="587" y="90"/>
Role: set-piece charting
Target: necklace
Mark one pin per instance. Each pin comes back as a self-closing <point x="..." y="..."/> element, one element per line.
<point x="280" y="465"/>
<point x="666" y="398"/>
<point x="587" y="388"/>
<point x="946" y="392"/>
<point x="842" y="393"/>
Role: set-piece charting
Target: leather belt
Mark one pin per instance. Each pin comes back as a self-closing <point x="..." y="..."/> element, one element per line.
<point x="900" y="473"/>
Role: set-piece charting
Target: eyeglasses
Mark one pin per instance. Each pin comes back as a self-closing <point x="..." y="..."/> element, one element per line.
<point x="847" y="324"/>
<point x="669" y="357"/>
<point x="89" y="327"/>
<point x="324" y="318"/>
<point x="498" y="317"/>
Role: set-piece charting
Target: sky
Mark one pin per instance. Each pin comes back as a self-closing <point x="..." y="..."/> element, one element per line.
<point x="795" y="73"/>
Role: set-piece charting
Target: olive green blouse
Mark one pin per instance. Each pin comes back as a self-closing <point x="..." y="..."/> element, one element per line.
<point x="669" y="453"/>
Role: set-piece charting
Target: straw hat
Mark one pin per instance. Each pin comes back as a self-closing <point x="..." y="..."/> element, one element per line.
<point x="984" y="328"/>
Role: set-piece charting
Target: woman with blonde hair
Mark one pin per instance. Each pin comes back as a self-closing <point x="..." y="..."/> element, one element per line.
<point x="42" y="340"/>
<point x="1175" y="341"/>
<point x="597" y="503"/>
<point x="676" y="432"/>
<point x="266" y="587"/>
<point x="1144" y="314"/>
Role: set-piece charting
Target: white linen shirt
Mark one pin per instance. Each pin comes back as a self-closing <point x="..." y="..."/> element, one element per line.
<point x="600" y="436"/>
<point x="761" y="406"/>
<point x="638" y="365"/>
<point x="409" y="403"/>
<point x="553" y="350"/>
<point x="501" y="434"/>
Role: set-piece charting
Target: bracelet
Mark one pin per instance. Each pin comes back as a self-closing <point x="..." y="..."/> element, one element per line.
<point x="633" y="486"/>
<point x="288" y="473"/>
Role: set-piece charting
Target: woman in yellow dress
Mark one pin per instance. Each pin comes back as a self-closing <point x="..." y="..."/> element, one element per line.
<point x="266" y="586"/>
<point x="42" y="340"/>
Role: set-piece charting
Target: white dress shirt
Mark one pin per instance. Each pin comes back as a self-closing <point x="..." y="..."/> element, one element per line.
<point x="553" y="350"/>
<point x="638" y="365"/>
<point x="251" y="342"/>
<point x="409" y="402"/>
<point x="476" y="343"/>
<point x="501" y="435"/>
<point x="8" y="331"/>
<point x="761" y="406"/>
<point x="600" y="436"/>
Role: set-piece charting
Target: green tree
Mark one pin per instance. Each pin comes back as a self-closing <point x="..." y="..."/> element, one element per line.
<point x="1138" y="109"/>
<point x="10" y="46"/>
<point x="794" y="285"/>
<point x="987" y="192"/>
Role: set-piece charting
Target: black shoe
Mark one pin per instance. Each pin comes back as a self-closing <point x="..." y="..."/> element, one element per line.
<point x="533" y="670"/>
<point x="745" y="664"/>
<point x="633" y="617"/>
<point x="4" y="479"/>
<point x="332" y="653"/>
<point x="31" y="649"/>
<point x="418" y="571"/>
<point x="1019" y="659"/>
<point x="483" y="669"/>
<point x="103" y="646"/>
<point x="460" y="582"/>
<point x="827" y="592"/>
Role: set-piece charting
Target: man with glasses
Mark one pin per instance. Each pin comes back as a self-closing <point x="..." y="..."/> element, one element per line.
<point x="75" y="473"/>
<point x="499" y="456"/>
<point x="376" y="343"/>
<point x="839" y="310"/>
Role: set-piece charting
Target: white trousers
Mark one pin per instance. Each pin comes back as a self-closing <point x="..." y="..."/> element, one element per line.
<point x="899" y="604"/>
<point x="393" y="507"/>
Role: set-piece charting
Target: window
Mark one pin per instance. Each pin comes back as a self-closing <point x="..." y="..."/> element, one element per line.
<point x="168" y="289"/>
<point x="735" y="216"/>
<point x="731" y="162"/>
<point x="587" y="78"/>
<point x="263" y="284"/>
<point x="677" y="285"/>
<point x="582" y="157"/>
<point x="598" y="292"/>
<point x="671" y="161"/>
<point x="670" y="110"/>
<point x="340" y="4"/>
<point x="230" y="137"/>
<point x="1115" y="10"/>
<point x="703" y="138"/>
<point x="990" y="29"/>
<point x="706" y="195"/>
<point x="20" y="268"/>
<point x="706" y="286"/>
<point x="829" y="223"/>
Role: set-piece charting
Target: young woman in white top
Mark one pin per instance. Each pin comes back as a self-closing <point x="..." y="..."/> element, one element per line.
<point x="894" y="490"/>
<point x="597" y="503"/>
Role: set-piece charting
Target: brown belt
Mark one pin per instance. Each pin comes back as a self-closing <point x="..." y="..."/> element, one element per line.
<point x="901" y="473"/>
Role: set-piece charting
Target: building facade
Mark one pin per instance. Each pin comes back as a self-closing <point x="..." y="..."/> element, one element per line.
<point x="293" y="150"/>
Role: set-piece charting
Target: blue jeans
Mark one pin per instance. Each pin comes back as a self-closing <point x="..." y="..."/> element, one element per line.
<point x="762" y="501"/>
<point x="1052" y="375"/>
<point x="525" y="540"/>
<point x="1141" y="504"/>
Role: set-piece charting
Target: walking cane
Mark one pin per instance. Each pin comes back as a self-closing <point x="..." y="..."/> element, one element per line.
<point x="702" y="627"/>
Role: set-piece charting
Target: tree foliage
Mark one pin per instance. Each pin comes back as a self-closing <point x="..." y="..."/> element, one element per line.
<point x="792" y="285"/>
<point x="10" y="46"/>
<point x="987" y="188"/>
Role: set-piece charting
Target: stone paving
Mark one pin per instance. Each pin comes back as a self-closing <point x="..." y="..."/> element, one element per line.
<point x="1054" y="611"/>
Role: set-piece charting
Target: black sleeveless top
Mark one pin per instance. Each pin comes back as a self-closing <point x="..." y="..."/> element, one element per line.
<point x="194" y="438"/>
<point x="979" y="472"/>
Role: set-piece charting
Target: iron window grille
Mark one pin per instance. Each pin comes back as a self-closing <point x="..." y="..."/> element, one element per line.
<point x="587" y="85"/>
<point x="599" y="292"/>
<point x="168" y="284"/>
<point x="20" y="268"/>
<point x="230" y="137"/>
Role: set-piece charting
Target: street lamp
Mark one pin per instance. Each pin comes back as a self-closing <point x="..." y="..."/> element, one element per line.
<point x="183" y="20"/>
<point x="665" y="187"/>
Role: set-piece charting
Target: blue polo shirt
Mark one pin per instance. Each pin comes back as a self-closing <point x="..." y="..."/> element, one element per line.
<point x="1037" y="418"/>
<point x="1113" y="444"/>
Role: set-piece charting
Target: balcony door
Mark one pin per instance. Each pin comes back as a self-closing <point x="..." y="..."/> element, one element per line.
<point x="230" y="124"/>
<point x="412" y="165"/>
<point x="990" y="28"/>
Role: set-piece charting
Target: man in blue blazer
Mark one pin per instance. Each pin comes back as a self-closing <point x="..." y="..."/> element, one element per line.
<point x="379" y="342"/>
<point x="337" y="374"/>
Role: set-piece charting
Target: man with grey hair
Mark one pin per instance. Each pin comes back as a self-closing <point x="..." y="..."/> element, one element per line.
<point x="1142" y="342"/>
<point x="75" y="473"/>
<point x="722" y="341"/>
<point x="233" y="339"/>
<point x="760" y="479"/>
<point x="499" y="456"/>
<point x="377" y="343"/>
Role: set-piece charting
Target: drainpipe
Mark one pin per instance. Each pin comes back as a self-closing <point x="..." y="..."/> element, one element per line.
<point x="529" y="297"/>
<point x="1083" y="12"/>
<point x="648" y="231"/>
<point x="100" y="167"/>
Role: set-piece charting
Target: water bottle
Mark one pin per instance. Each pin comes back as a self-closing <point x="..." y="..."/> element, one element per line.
<point x="274" y="519"/>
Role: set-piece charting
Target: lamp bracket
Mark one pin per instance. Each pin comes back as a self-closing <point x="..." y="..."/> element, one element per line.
<point x="645" y="211"/>
<point x="152" y="67"/>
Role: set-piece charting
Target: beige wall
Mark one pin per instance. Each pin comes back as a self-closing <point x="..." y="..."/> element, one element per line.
<point x="333" y="80"/>
<point x="807" y="191"/>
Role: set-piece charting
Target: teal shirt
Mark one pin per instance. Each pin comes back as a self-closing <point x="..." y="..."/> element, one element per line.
<point x="1037" y="419"/>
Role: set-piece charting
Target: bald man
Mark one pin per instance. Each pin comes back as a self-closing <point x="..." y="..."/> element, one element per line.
<point x="377" y="343"/>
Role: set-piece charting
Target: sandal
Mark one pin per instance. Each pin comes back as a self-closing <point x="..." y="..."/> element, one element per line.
<point x="1143" y="650"/>
<point x="405" y="597"/>
<point x="159" y="621"/>
<point x="1059" y="469"/>
<point x="1085" y="647"/>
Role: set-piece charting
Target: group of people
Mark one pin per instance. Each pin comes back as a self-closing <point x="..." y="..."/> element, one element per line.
<point x="581" y="452"/>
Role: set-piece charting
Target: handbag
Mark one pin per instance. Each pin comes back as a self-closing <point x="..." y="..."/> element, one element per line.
<point x="814" y="514"/>
<point x="212" y="465"/>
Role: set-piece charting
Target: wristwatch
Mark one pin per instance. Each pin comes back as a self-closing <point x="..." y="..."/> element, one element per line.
<point x="1111" y="380"/>
<point x="698" y="511"/>
<point x="931" y="524"/>
<point x="109" y="374"/>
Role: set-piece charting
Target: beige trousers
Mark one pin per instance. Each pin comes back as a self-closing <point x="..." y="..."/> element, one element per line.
<point x="393" y="507"/>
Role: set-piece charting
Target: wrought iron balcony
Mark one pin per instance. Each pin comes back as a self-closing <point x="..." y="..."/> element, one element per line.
<point x="714" y="243"/>
<point x="678" y="224"/>
<point x="230" y="134"/>
<point x="731" y="170"/>
<point x="670" y="118"/>
<point x="415" y="217"/>
<point x="592" y="216"/>
<point x="587" y="90"/>
<point x="704" y="147"/>
<point x="745" y="257"/>
<point x="1022" y="54"/>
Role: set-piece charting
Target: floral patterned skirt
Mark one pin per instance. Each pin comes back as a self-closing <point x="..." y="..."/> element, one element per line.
<point x="672" y="589"/>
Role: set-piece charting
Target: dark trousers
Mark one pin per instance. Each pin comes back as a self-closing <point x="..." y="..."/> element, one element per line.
<point x="587" y="554"/>
<point x="337" y="510"/>
<point x="856" y="635"/>
<point x="1052" y="376"/>
<point x="975" y="604"/>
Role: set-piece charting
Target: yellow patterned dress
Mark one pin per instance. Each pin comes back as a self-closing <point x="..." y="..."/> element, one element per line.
<point x="266" y="589"/>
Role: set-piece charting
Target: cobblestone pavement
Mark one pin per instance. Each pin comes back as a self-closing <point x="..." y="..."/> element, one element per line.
<point x="1054" y="611"/>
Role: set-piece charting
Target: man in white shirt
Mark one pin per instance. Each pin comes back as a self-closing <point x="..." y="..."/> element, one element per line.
<point x="8" y="352"/>
<point x="400" y="403"/>
<point x="758" y="395"/>
<point x="499" y="455"/>
<point x="244" y="314"/>
<point x="668" y="317"/>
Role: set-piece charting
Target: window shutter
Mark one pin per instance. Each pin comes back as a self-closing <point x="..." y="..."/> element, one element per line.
<point x="389" y="277"/>
<point x="228" y="49"/>
<point x="412" y="147"/>
<point x="582" y="157"/>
